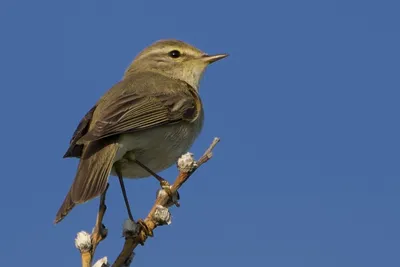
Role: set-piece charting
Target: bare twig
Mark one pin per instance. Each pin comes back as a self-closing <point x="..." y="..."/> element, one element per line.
<point x="99" y="233"/>
<point x="163" y="200"/>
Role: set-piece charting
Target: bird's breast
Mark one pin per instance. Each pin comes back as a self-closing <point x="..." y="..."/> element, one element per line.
<point x="157" y="148"/>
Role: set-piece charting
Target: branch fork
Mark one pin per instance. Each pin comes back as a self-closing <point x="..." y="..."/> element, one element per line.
<point x="136" y="233"/>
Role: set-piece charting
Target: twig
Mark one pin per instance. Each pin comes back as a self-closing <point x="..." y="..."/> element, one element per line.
<point x="99" y="233"/>
<point x="132" y="240"/>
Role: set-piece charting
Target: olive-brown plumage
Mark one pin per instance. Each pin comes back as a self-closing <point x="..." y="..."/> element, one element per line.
<point x="153" y="115"/>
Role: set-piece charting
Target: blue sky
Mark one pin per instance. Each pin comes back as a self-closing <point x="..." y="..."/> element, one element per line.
<point x="307" y="107"/>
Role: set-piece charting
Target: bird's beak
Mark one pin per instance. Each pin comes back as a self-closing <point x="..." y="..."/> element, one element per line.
<point x="211" y="59"/>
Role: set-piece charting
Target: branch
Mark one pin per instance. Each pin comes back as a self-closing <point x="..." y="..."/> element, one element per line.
<point x="159" y="214"/>
<point x="137" y="233"/>
<point x="87" y="244"/>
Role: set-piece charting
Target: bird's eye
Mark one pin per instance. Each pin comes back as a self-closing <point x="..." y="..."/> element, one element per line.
<point x="174" y="54"/>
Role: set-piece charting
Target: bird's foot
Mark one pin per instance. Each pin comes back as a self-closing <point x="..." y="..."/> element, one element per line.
<point x="166" y="187"/>
<point x="173" y="198"/>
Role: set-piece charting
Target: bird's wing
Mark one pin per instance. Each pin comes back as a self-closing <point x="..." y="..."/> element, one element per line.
<point x="75" y="150"/>
<point x="91" y="178"/>
<point x="136" y="110"/>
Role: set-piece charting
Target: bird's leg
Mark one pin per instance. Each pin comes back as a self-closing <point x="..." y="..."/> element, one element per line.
<point x="163" y="183"/>
<point x="132" y="157"/>
<point x="121" y="183"/>
<point x="128" y="207"/>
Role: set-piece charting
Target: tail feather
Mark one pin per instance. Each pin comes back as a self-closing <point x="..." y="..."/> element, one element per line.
<point x="90" y="180"/>
<point x="65" y="208"/>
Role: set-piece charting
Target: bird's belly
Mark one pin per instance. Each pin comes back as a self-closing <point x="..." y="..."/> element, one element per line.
<point x="157" y="149"/>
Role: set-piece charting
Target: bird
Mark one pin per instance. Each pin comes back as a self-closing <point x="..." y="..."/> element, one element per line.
<point x="142" y="124"/>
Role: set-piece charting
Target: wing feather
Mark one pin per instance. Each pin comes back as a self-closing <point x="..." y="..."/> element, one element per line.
<point x="133" y="112"/>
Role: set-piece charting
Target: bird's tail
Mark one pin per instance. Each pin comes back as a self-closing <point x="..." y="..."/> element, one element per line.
<point x="90" y="180"/>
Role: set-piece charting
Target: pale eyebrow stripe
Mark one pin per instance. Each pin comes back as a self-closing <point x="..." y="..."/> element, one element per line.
<point x="167" y="49"/>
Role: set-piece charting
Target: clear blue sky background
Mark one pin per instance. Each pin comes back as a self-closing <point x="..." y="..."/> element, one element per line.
<point x="307" y="107"/>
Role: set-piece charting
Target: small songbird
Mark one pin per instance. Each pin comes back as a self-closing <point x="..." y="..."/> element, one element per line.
<point x="143" y="124"/>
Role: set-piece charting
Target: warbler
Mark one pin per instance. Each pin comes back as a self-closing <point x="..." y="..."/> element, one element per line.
<point x="143" y="124"/>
